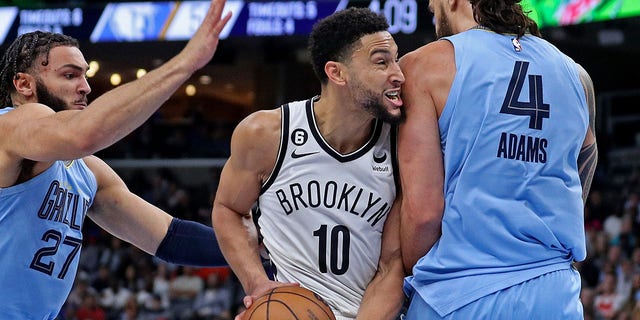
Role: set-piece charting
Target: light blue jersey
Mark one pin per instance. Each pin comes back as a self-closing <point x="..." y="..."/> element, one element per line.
<point x="41" y="222"/>
<point x="511" y="131"/>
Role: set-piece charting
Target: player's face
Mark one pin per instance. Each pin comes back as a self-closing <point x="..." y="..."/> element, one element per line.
<point x="62" y="84"/>
<point x="443" y="27"/>
<point x="376" y="78"/>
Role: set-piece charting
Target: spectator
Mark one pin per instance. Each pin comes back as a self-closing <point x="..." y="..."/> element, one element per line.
<point x="632" y="305"/>
<point x="154" y="310"/>
<point x="214" y="303"/>
<point x="130" y="309"/>
<point x="612" y="225"/>
<point x="113" y="255"/>
<point x="182" y="290"/>
<point x="145" y="294"/>
<point x="161" y="283"/>
<point x="132" y="280"/>
<point x="596" y="210"/>
<point x="90" y="309"/>
<point x="608" y="301"/>
<point x="624" y="274"/>
<point x="587" y="296"/>
<point x="114" y="297"/>
<point x="101" y="280"/>
<point x="81" y="289"/>
<point x="627" y="237"/>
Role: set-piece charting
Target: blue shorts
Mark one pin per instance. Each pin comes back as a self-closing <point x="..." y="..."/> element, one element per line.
<point x="554" y="295"/>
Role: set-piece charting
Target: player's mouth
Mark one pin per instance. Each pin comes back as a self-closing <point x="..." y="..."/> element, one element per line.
<point x="394" y="97"/>
<point x="80" y="104"/>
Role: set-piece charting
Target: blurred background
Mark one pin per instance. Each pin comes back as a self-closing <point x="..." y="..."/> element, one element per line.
<point x="174" y="159"/>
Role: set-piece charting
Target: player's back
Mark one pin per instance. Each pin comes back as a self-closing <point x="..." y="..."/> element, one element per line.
<point x="511" y="132"/>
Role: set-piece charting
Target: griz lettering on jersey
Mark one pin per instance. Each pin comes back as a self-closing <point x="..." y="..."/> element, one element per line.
<point x="349" y="198"/>
<point x="61" y="205"/>
<point x="522" y="147"/>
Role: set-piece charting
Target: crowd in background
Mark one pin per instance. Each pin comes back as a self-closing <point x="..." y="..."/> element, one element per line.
<point x="118" y="281"/>
<point x="611" y="272"/>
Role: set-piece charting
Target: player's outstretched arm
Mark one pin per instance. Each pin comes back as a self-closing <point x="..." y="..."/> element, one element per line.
<point x="128" y="106"/>
<point x="43" y="135"/>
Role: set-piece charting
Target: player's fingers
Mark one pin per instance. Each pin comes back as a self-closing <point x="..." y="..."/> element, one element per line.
<point x="222" y="23"/>
<point x="289" y="284"/>
<point x="247" y="301"/>
<point x="213" y="24"/>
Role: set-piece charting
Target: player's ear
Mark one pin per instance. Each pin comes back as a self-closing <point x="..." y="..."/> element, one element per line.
<point x="452" y="4"/>
<point x="457" y="5"/>
<point x="24" y="84"/>
<point x="335" y="72"/>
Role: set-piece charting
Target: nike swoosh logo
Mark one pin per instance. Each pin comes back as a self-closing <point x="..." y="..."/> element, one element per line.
<point x="380" y="159"/>
<point x="300" y="155"/>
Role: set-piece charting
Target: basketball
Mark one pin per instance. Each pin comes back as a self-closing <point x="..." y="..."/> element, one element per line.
<point x="289" y="303"/>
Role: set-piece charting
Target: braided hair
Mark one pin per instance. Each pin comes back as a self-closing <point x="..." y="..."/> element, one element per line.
<point x="334" y="37"/>
<point x="504" y="16"/>
<point x="22" y="54"/>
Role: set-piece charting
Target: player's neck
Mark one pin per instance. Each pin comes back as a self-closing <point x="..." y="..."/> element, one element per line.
<point x="345" y="128"/>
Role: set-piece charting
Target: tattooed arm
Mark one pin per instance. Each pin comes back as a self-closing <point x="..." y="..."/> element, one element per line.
<point x="588" y="157"/>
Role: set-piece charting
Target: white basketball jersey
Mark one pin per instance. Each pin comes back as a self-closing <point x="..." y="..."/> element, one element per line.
<point x="321" y="213"/>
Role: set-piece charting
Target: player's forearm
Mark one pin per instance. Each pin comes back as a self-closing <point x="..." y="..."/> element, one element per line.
<point x="384" y="296"/>
<point x="416" y="242"/>
<point x="385" y="305"/>
<point x="419" y="231"/>
<point x="587" y="161"/>
<point x="247" y="266"/>
<point x="239" y="244"/>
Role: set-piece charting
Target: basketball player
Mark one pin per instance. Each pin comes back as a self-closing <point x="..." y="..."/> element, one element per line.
<point x="502" y="122"/>
<point x="49" y="182"/>
<point x="322" y="172"/>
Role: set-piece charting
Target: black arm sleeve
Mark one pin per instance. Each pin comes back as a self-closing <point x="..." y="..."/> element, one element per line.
<point x="190" y="243"/>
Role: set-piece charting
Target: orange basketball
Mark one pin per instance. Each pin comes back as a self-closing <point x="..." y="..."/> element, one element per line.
<point x="289" y="303"/>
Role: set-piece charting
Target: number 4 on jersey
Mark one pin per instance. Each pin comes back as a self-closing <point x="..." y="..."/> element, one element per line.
<point x="535" y="108"/>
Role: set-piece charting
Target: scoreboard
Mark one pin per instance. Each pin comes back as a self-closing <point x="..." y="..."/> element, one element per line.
<point x="178" y="20"/>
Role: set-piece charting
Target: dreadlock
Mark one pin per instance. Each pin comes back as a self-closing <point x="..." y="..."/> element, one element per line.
<point x="504" y="16"/>
<point x="22" y="54"/>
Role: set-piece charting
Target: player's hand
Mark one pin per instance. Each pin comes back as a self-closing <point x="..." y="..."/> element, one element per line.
<point x="204" y="42"/>
<point x="260" y="290"/>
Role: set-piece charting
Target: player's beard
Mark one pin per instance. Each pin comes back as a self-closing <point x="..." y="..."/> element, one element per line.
<point x="378" y="110"/>
<point x="371" y="102"/>
<point x="49" y="99"/>
<point x="443" y="28"/>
